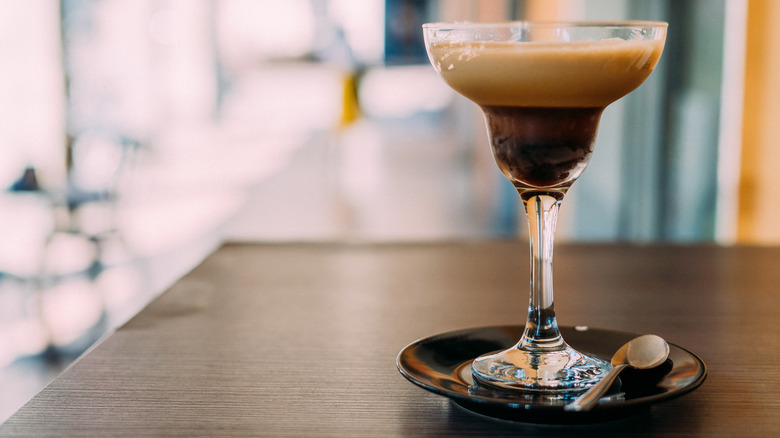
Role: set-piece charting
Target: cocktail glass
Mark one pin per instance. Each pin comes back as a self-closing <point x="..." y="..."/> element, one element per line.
<point x="542" y="88"/>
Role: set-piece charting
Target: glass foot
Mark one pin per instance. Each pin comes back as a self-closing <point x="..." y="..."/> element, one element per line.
<point x="560" y="370"/>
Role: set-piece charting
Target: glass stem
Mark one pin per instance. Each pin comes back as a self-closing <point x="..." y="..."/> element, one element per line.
<point x="541" y="329"/>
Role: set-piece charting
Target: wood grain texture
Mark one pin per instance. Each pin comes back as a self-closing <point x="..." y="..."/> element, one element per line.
<point x="301" y="340"/>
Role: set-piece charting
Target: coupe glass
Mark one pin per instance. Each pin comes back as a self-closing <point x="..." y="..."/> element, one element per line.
<point x="542" y="88"/>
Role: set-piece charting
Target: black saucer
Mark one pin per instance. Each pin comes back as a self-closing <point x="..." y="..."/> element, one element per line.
<point x="442" y="364"/>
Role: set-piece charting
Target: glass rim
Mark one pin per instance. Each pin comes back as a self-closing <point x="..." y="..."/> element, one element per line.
<point x="617" y="24"/>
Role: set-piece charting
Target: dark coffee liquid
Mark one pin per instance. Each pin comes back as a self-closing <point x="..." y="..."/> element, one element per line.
<point x="542" y="147"/>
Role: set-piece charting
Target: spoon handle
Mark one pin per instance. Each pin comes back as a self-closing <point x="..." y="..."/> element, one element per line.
<point x="592" y="395"/>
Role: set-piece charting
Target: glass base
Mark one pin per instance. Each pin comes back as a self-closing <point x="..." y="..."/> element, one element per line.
<point x="560" y="370"/>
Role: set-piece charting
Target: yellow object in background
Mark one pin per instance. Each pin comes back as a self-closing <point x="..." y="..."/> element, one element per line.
<point x="350" y="105"/>
<point x="759" y="190"/>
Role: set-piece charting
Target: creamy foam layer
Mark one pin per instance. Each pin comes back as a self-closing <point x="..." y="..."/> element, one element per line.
<point x="546" y="74"/>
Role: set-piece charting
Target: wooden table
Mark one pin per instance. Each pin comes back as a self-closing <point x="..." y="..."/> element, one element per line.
<point x="301" y="339"/>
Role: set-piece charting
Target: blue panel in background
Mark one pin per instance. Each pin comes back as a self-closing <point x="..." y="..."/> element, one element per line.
<point x="403" y="31"/>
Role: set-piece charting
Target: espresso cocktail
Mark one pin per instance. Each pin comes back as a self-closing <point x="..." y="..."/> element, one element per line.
<point x="542" y="88"/>
<point x="543" y="100"/>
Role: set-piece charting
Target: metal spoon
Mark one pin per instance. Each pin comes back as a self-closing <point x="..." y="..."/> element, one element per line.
<point x="643" y="352"/>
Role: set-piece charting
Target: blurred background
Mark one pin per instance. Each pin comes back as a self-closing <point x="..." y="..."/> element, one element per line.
<point x="135" y="137"/>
